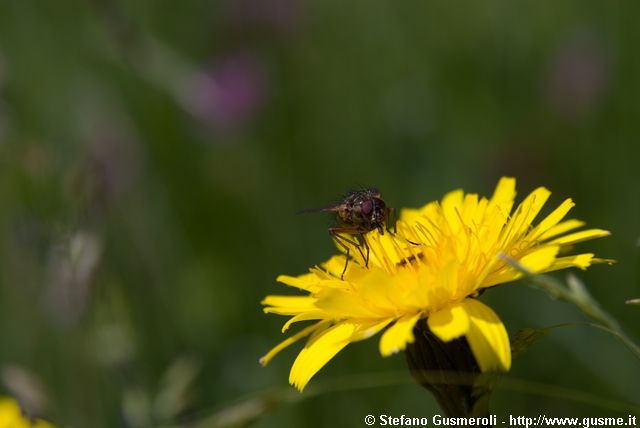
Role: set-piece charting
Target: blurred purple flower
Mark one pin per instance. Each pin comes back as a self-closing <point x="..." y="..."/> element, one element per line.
<point x="578" y="74"/>
<point x="232" y="92"/>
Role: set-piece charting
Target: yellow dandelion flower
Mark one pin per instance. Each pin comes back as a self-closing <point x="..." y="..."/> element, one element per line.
<point x="11" y="416"/>
<point x="441" y="257"/>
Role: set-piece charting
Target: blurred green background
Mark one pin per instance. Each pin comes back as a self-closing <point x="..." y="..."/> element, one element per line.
<point x="153" y="156"/>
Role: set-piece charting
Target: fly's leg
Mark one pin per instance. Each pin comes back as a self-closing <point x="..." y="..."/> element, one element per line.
<point x="335" y="232"/>
<point x="366" y="264"/>
<point x="366" y="245"/>
<point x="339" y="240"/>
<point x="391" y="217"/>
<point x="346" y="263"/>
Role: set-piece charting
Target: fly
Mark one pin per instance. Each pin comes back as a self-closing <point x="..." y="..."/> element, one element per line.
<point x="359" y="212"/>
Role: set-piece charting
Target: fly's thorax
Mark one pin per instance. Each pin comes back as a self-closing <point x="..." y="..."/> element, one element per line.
<point x="344" y="214"/>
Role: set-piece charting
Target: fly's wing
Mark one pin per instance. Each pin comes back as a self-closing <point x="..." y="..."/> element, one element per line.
<point x="328" y="208"/>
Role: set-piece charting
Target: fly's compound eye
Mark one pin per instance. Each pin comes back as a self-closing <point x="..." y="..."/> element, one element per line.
<point x="367" y="208"/>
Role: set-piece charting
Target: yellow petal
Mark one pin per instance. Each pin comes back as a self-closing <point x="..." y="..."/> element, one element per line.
<point x="501" y="276"/>
<point x="318" y="352"/>
<point x="288" y="305"/>
<point x="483" y="329"/>
<point x="290" y="340"/>
<point x="304" y="316"/>
<point x="335" y="265"/>
<point x="342" y="304"/>
<point x="581" y="261"/>
<point x="397" y="336"/>
<point x="365" y="331"/>
<point x="525" y="213"/>
<point x="534" y="203"/>
<point x="409" y="215"/>
<point x="452" y="207"/>
<point x="540" y="258"/>
<point x="10" y="412"/>
<point x="308" y="282"/>
<point x="383" y="251"/>
<point x="449" y="323"/>
<point x="469" y="207"/>
<point x="561" y="228"/>
<point x="505" y="191"/>
<point x="487" y="337"/>
<point x="551" y="220"/>
<point x="585" y="235"/>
